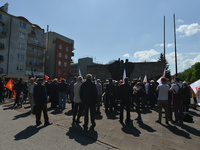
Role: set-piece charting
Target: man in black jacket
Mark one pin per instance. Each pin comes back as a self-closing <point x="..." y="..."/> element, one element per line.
<point x="88" y="94"/>
<point x="125" y="99"/>
<point x="62" y="90"/>
<point x="110" y="91"/>
<point x="54" y="93"/>
<point x="40" y="99"/>
<point x="18" y="87"/>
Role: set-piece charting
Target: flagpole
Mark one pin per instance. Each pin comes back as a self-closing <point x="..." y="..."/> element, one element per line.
<point x="175" y="46"/>
<point x="164" y="38"/>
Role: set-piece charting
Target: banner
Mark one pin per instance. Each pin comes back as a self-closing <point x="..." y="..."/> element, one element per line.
<point x="159" y="80"/>
<point x="196" y="88"/>
<point x="46" y="77"/>
<point x="9" y="86"/>
<point x="79" y="72"/>
<point x="145" y="79"/>
<point x="124" y="76"/>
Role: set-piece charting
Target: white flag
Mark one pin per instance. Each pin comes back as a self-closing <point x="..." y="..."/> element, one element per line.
<point x="196" y="88"/>
<point x="79" y="72"/>
<point x="145" y="79"/>
<point x="159" y="80"/>
<point x="124" y="75"/>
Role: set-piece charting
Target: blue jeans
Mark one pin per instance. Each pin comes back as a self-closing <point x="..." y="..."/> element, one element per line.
<point x="17" y="97"/>
<point x="62" y="96"/>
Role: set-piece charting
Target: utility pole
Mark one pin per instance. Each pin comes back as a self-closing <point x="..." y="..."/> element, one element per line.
<point x="175" y="46"/>
<point x="164" y="38"/>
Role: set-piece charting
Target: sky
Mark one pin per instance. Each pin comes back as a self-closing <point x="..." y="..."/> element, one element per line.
<point x="127" y="29"/>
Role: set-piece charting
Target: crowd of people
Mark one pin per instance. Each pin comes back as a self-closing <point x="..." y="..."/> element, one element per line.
<point x="89" y="95"/>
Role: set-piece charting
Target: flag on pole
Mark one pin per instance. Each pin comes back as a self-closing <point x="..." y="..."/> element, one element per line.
<point x="196" y="88"/>
<point x="9" y="86"/>
<point x="124" y="76"/>
<point x="60" y="79"/>
<point x="46" y="77"/>
<point x="159" y="80"/>
<point x="145" y="79"/>
<point x="139" y="78"/>
<point x="79" y="72"/>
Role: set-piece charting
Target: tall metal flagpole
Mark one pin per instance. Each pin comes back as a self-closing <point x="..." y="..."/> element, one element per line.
<point x="164" y="38"/>
<point x="175" y="46"/>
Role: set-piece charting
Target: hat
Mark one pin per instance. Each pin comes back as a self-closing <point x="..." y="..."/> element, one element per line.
<point x="177" y="79"/>
<point x="40" y="79"/>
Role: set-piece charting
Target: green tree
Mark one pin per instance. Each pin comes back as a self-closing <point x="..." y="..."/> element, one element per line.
<point x="168" y="71"/>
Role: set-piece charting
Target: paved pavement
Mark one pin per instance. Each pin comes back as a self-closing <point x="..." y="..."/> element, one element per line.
<point x="111" y="133"/>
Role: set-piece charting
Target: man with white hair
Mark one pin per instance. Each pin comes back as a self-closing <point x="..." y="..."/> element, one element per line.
<point x="31" y="85"/>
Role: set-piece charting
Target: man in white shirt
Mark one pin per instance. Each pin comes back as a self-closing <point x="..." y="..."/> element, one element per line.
<point x="31" y="85"/>
<point x="163" y="99"/>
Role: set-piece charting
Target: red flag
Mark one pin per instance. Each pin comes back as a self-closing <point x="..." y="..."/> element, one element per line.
<point x="60" y="79"/>
<point x="9" y="86"/>
<point x="46" y="77"/>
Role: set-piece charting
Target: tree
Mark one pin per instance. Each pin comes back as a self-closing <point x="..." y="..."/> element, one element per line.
<point x="168" y="71"/>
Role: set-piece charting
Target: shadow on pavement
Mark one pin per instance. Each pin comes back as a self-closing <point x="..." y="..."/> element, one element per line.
<point x="69" y="113"/>
<point x="91" y="133"/>
<point x="27" y="107"/>
<point x="146" y="127"/>
<point x="146" y="111"/>
<point x="190" y="129"/>
<point x="112" y="115"/>
<point x="27" y="133"/>
<point x="176" y="131"/>
<point x="194" y="113"/>
<point x="98" y="116"/>
<point x="56" y="111"/>
<point x="22" y="115"/>
<point x="130" y="129"/>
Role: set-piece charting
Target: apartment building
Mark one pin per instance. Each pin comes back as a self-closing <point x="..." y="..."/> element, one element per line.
<point x="22" y="49"/>
<point x="59" y="51"/>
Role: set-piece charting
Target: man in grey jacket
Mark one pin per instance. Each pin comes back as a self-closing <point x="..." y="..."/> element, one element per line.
<point x="77" y="101"/>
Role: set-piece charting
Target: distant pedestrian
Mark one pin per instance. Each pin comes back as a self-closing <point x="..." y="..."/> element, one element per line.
<point x="31" y="86"/>
<point x="125" y="92"/>
<point x="62" y="90"/>
<point x="40" y="99"/>
<point x="110" y="99"/>
<point x="88" y="94"/>
<point x="18" y="87"/>
<point x="72" y="91"/>
<point x="78" y="105"/>
<point x="99" y="91"/>
<point x="54" y="93"/>
<point x="163" y="90"/>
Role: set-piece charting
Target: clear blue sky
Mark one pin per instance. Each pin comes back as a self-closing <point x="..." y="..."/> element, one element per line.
<point x="111" y="29"/>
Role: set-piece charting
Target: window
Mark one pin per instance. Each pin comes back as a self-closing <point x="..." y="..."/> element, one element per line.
<point x="20" y="57"/>
<point x="0" y="28"/>
<point x="34" y="61"/>
<point x="65" y="64"/>
<point x="59" y="63"/>
<point x="35" y="40"/>
<point x="36" y="31"/>
<point x="58" y="71"/>
<point x="60" y="46"/>
<point x="65" y="56"/>
<point x="34" y="50"/>
<point x="22" y="24"/>
<point x="60" y="55"/>
<point x="64" y="72"/>
<point x="33" y="69"/>
<point x="22" y="35"/>
<point x="67" y="49"/>
<point x="20" y="67"/>
<point x="0" y="16"/>
<point x="21" y="46"/>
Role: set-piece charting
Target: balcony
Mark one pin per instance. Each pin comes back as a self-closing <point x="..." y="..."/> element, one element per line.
<point x="1" y="46"/>
<point x="1" y="58"/>
<point x="32" y="33"/>
<point x="37" y="64"/>
<point x="34" y="43"/>
<point x="31" y="53"/>
<point x="35" y="73"/>
<point x="72" y="54"/>
<point x="2" y="34"/>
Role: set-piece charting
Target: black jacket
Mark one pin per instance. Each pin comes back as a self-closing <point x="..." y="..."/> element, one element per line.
<point x="40" y="95"/>
<point x="1" y="85"/>
<point x="19" y="86"/>
<point x="62" y="87"/>
<point x="110" y="89"/>
<point x="126" y="91"/>
<point x="88" y="92"/>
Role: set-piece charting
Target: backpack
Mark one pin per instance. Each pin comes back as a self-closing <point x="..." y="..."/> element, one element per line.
<point x="182" y="93"/>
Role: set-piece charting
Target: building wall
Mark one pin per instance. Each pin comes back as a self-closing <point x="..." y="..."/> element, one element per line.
<point x="52" y="55"/>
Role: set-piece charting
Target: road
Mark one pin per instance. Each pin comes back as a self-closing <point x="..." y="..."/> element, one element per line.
<point x="18" y="132"/>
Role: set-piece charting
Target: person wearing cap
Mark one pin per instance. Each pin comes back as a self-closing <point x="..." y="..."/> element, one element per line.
<point x="40" y="99"/>
<point x="177" y="105"/>
<point x="110" y="91"/>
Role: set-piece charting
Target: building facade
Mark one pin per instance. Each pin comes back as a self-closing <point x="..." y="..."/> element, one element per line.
<point x="59" y="51"/>
<point x="21" y="47"/>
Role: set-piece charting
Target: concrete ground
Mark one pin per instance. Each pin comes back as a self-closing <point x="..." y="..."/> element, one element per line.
<point x="111" y="133"/>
